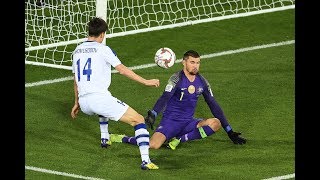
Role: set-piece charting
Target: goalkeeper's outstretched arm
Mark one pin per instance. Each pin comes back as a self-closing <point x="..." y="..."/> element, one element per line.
<point x="218" y="113"/>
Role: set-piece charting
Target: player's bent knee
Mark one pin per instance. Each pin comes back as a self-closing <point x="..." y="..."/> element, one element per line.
<point x="215" y="124"/>
<point x="153" y="145"/>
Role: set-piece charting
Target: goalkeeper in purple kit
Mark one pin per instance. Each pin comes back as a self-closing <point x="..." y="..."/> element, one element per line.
<point x="178" y="103"/>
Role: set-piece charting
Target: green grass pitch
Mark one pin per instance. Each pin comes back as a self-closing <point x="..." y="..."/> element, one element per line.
<point x="256" y="90"/>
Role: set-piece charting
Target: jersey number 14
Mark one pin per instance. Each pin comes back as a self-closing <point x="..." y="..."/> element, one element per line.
<point x="86" y="69"/>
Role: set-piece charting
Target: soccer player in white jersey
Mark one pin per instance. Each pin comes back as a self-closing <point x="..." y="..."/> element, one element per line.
<point x="91" y="66"/>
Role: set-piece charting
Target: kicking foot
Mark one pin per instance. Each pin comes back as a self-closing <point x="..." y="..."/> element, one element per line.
<point x="148" y="166"/>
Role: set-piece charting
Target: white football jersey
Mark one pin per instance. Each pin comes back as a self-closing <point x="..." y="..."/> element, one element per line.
<point x="91" y="65"/>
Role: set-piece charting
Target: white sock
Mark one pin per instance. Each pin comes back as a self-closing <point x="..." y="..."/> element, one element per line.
<point x="142" y="138"/>
<point x="104" y="127"/>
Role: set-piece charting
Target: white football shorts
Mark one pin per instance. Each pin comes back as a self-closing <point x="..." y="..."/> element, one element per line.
<point x="103" y="104"/>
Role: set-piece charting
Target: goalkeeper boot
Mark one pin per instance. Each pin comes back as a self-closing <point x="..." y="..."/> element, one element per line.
<point x="174" y="142"/>
<point x="116" y="138"/>
<point x="105" y="143"/>
<point x="148" y="166"/>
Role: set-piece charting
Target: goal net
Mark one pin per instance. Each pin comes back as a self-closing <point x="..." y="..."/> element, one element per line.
<point x="53" y="28"/>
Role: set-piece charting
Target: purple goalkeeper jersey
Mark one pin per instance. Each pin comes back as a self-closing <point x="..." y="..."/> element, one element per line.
<point x="183" y="102"/>
<point x="180" y="99"/>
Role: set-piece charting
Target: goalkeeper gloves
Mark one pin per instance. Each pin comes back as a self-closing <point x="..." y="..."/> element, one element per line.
<point x="236" y="138"/>
<point x="150" y="118"/>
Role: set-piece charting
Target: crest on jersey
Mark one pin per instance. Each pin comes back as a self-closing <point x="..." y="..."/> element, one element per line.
<point x="191" y="89"/>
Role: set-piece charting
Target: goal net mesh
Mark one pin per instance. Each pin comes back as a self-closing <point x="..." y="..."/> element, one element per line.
<point x="53" y="28"/>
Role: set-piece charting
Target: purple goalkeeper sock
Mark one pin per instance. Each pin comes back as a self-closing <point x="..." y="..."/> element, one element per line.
<point x="130" y="140"/>
<point x="198" y="133"/>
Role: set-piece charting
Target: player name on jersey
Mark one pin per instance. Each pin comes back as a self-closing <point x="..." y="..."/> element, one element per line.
<point x="86" y="50"/>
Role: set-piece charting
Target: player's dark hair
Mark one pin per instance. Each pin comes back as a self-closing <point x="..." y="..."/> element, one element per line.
<point x="191" y="53"/>
<point x="97" y="26"/>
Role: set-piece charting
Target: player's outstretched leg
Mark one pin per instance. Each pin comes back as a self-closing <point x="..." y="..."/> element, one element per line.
<point x="197" y="133"/>
<point x="121" y="138"/>
<point x="142" y="138"/>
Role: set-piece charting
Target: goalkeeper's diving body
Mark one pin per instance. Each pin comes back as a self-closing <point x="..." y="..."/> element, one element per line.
<point x="178" y="103"/>
<point x="91" y="66"/>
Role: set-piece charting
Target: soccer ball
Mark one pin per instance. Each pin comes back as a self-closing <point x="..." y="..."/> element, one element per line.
<point x="165" y="57"/>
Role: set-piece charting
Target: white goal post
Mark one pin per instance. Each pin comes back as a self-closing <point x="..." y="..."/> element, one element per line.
<point x="54" y="27"/>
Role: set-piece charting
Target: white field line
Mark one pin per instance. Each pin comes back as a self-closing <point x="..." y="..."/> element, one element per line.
<point x="288" y="176"/>
<point x="60" y="173"/>
<point x="177" y="61"/>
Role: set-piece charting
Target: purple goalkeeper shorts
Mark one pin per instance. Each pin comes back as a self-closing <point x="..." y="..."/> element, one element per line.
<point x="172" y="128"/>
